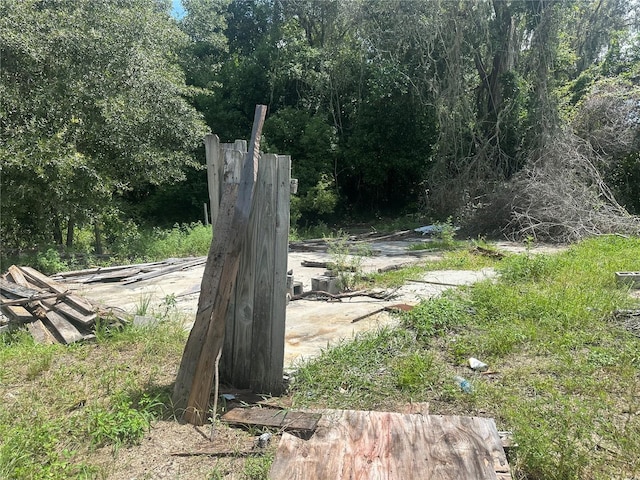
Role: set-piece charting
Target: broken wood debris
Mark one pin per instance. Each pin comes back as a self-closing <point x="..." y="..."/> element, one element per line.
<point x="338" y="297"/>
<point x="322" y="244"/>
<point x="328" y="265"/>
<point x="401" y="307"/>
<point x="49" y="311"/>
<point x="284" y="420"/>
<point x="127" y="274"/>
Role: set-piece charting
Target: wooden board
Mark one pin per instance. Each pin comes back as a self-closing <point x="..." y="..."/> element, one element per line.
<point x="86" y="319"/>
<point x="380" y="445"/>
<point x="18" y="314"/>
<point x="63" y="328"/>
<point x="18" y="290"/>
<point x="43" y="281"/>
<point x="271" y="417"/>
<point x="40" y="333"/>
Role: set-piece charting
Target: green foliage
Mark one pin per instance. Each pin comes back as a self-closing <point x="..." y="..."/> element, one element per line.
<point x="257" y="468"/>
<point x="92" y="105"/>
<point x="566" y="371"/>
<point x="416" y="371"/>
<point x="351" y="374"/>
<point x="436" y="316"/>
<point x="527" y="267"/>
<point x="121" y="423"/>
<point x="346" y="261"/>
<point x="31" y="449"/>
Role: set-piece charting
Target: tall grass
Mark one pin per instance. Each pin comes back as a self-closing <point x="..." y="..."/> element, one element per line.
<point x="129" y="243"/>
<point x="567" y="377"/>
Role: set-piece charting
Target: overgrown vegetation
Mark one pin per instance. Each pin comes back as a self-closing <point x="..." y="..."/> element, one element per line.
<point x="567" y="377"/>
<point x="62" y="403"/>
<point x="129" y="245"/>
<point x="524" y="110"/>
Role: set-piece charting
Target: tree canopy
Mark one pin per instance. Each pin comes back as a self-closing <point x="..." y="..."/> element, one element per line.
<point x="385" y="106"/>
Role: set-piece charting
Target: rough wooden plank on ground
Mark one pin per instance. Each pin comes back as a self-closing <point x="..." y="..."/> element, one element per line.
<point x="380" y="445"/>
<point x="86" y="319"/>
<point x="271" y="417"/>
<point x="67" y="332"/>
<point x="40" y="333"/>
<point x="43" y="281"/>
<point x="18" y="314"/>
<point x="18" y="290"/>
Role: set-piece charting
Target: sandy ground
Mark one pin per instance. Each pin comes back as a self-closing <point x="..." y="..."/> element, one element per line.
<point x="310" y="325"/>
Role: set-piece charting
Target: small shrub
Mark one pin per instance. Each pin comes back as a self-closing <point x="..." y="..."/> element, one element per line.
<point x="49" y="262"/>
<point x="121" y="424"/>
<point x="435" y="316"/>
<point x="347" y="261"/>
<point x="415" y="372"/>
<point x="526" y="267"/>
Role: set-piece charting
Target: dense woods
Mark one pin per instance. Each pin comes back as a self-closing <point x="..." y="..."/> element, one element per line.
<point x="516" y="117"/>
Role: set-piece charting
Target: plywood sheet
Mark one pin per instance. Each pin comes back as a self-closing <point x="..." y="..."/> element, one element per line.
<point x="381" y="445"/>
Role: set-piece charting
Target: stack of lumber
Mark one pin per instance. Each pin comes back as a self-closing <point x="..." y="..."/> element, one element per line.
<point x="322" y="244"/>
<point x="126" y="274"/>
<point x="50" y="312"/>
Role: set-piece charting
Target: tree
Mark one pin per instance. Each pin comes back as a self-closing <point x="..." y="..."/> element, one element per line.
<point x="92" y="105"/>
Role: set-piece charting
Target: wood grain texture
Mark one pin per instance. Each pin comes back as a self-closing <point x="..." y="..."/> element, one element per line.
<point x="253" y="353"/>
<point x="236" y="353"/>
<point x="264" y="251"/>
<point x="40" y="333"/>
<point x="63" y="328"/>
<point x="273" y="380"/>
<point x="214" y="173"/>
<point x="18" y="314"/>
<point x="196" y="373"/>
<point x="270" y="417"/>
<point x="380" y="445"/>
<point x="43" y="281"/>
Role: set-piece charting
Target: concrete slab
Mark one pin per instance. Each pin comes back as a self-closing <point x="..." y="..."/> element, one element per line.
<point x="311" y="325"/>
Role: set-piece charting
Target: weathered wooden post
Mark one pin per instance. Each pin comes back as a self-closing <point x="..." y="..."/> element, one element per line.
<point x="253" y="353"/>
<point x="196" y="373"/>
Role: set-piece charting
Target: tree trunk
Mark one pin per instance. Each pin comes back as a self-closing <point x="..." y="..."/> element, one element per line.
<point x="70" y="225"/>
<point x="98" y="237"/>
<point x="57" y="231"/>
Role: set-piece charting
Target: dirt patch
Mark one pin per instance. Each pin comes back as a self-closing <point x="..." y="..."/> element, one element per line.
<point x="175" y="451"/>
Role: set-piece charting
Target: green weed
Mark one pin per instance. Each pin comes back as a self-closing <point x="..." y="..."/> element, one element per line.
<point x="567" y="379"/>
<point x="257" y="468"/>
<point x="436" y="316"/>
<point x="121" y="422"/>
<point x="346" y="261"/>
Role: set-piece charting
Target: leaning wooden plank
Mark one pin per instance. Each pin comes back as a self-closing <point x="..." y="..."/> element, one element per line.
<point x="40" y="333"/>
<point x="17" y="276"/>
<point x="381" y="445"/>
<point x="194" y="381"/>
<point x="271" y="417"/>
<point x="43" y="281"/>
<point x="65" y="330"/>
